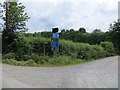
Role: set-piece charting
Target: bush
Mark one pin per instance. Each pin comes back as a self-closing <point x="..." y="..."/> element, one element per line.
<point x="39" y="59"/>
<point x="67" y="47"/>
<point x="23" y="48"/>
<point x="26" y="57"/>
<point x="19" y="63"/>
<point x="108" y="48"/>
<point x="8" y="56"/>
<point x="81" y="50"/>
<point x="30" y="63"/>
<point x="97" y="52"/>
<point x="10" y="61"/>
<point x="87" y="51"/>
<point x="32" y="48"/>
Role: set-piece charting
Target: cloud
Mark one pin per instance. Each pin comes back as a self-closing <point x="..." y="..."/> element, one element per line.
<point x="71" y="14"/>
<point x="119" y="10"/>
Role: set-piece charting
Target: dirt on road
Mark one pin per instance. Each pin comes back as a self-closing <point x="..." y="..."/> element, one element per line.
<point x="102" y="73"/>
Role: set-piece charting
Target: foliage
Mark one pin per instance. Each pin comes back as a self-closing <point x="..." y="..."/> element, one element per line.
<point x="15" y="16"/>
<point x="69" y="52"/>
<point x="53" y="61"/>
<point x="15" y="21"/>
<point x="22" y="48"/>
<point x="46" y="34"/>
<point x="81" y="50"/>
<point x="81" y="35"/>
<point x="29" y="47"/>
<point x="96" y="37"/>
<point x="108" y="47"/>
<point x="10" y="61"/>
<point x="76" y="46"/>
<point x="63" y="60"/>
<point x="19" y="63"/>
<point x="30" y="63"/>
<point x="33" y="48"/>
<point x="114" y="31"/>
<point x="8" y="56"/>
<point x="82" y="30"/>
<point x="39" y="59"/>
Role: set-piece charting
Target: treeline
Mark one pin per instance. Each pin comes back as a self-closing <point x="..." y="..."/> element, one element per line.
<point x="75" y="45"/>
<point x="93" y="38"/>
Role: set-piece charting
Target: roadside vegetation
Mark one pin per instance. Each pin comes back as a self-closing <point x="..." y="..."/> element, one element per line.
<point x="34" y="49"/>
<point x="30" y="52"/>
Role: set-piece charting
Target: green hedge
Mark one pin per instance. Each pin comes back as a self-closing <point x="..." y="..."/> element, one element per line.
<point x="108" y="48"/>
<point x="82" y="50"/>
<point x="32" y="47"/>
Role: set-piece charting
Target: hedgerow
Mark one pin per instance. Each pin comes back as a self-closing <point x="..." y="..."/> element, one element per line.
<point x="34" y="48"/>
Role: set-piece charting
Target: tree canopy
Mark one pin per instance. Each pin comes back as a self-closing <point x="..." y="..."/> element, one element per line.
<point x="114" y="30"/>
<point x="14" y="18"/>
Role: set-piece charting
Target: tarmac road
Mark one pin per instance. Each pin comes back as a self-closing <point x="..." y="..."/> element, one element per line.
<point x="102" y="73"/>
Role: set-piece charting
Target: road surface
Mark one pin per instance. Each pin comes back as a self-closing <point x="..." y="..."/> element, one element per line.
<point x="102" y="73"/>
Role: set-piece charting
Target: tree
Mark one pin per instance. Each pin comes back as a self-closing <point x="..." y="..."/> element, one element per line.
<point x="63" y="31"/>
<point x="97" y="31"/>
<point x="114" y="31"/>
<point x="1" y="15"/>
<point x="46" y="34"/>
<point x="96" y="37"/>
<point x="15" y="21"/>
<point x="82" y="30"/>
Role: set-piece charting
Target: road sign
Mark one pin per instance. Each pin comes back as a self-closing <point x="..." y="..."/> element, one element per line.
<point x="55" y="35"/>
<point x="55" y="44"/>
<point x="54" y="30"/>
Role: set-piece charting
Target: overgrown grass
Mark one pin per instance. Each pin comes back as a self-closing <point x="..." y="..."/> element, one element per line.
<point x="53" y="62"/>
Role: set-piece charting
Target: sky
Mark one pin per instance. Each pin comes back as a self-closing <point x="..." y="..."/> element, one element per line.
<point x="70" y="14"/>
<point x="119" y="10"/>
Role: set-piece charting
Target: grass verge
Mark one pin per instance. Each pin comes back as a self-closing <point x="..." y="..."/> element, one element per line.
<point x="52" y="62"/>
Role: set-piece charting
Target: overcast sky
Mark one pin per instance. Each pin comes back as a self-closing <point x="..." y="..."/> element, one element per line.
<point x="70" y="14"/>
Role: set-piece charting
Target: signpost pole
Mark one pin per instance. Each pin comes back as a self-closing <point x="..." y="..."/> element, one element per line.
<point x="55" y="43"/>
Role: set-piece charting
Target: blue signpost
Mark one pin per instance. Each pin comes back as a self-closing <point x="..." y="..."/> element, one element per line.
<point x="55" y="43"/>
<point x="55" y="35"/>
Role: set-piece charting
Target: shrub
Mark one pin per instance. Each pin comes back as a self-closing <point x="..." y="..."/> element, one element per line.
<point x="108" y="47"/>
<point x="30" y="63"/>
<point x="97" y="52"/>
<point x="67" y="47"/>
<point x="23" y="48"/>
<point x="32" y="48"/>
<point x="26" y="57"/>
<point x="9" y="55"/>
<point x="37" y="44"/>
<point x="85" y="50"/>
<point x="39" y="59"/>
<point x="20" y="63"/>
<point x="10" y="61"/>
